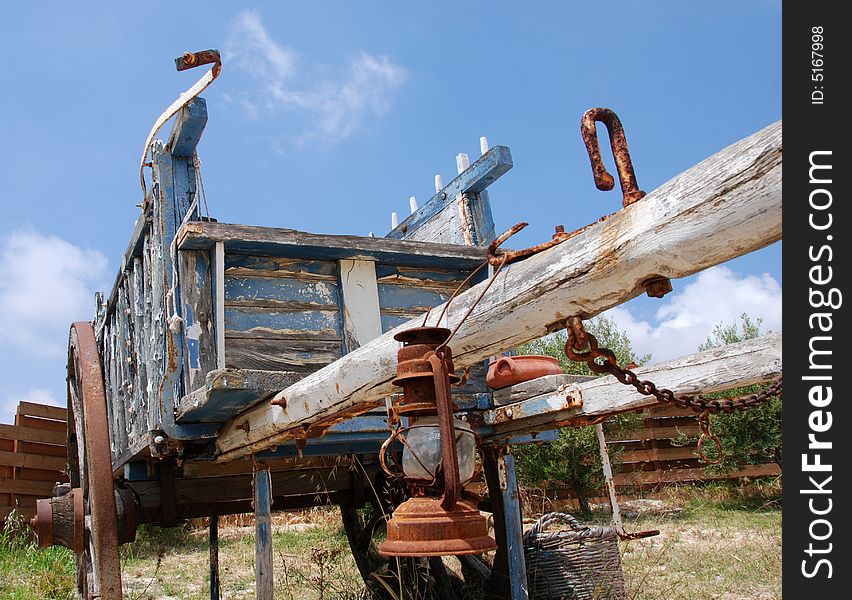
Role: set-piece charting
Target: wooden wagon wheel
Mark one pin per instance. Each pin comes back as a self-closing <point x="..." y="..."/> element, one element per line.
<point x="90" y="460"/>
<point x="421" y="578"/>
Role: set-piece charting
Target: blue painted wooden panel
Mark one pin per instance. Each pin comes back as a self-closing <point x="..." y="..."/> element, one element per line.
<point x="389" y="273"/>
<point x="266" y="323"/>
<point x="410" y="297"/>
<point x="278" y="266"/>
<point x="281" y="289"/>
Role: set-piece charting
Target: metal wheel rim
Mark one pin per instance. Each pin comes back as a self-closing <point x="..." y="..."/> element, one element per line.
<point x="99" y="565"/>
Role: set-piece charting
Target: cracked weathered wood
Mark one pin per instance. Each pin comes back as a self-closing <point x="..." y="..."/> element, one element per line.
<point x="724" y="207"/>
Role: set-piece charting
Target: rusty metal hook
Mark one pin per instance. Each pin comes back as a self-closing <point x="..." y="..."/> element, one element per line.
<point x="618" y="142"/>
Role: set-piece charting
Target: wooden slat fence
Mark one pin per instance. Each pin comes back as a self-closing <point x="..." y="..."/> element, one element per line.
<point x="32" y="457"/>
<point x="665" y="451"/>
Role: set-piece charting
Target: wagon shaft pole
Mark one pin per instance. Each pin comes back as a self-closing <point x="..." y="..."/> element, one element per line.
<point x="214" y="557"/>
<point x="724" y="207"/>
<point x="264" y="582"/>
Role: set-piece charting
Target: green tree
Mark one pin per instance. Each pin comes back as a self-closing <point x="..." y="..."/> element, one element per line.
<point x="573" y="461"/>
<point x="751" y="436"/>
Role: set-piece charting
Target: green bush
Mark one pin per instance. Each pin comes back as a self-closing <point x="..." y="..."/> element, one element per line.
<point x="751" y="436"/>
<point x="573" y="461"/>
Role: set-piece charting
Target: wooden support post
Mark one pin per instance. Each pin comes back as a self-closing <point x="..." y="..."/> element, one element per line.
<point x="214" y="557"/>
<point x="509" y="574"/>
<point x="498" y="583"/>
<point x="219" y="309"/>
<point x="264" y="581"/>
<point x="610" y="484"/>
<point x="514" y="528"/>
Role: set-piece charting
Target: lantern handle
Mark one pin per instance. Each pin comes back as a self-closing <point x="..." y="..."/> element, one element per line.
<point x="449" y="454"/>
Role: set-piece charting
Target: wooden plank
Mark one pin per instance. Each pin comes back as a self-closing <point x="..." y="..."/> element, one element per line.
<point x="33" y="434"/>
<point x="726" y="206"/>
<point x="260" y="322"/>
<point x="43" y="411"/>
<point x="41" y="489"/>
<point x="300" y="355"/>
<point x="655" y="433"/>
<point x="360" y="294"/>
<point x="38" y="474"/>
<point x="441" y="218"/>
<point x="264" y="580"/>
<point x="289" y="243"/>
<point x="188" y="127"/>
<point x="24" y="513"/>
<point x="42" y="449"/>
<point x="219" y="310"/>
<point x="226" y="392"/>
<point x="32" y="461"/>
<point x="196" y="282"/>
<point x="39" y="423"/>
<point x="658" y="454"/>
<point x="692" y="474"/>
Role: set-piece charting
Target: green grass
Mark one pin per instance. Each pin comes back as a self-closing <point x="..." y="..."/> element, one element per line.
<point x="28" y="572"/>
<point x="724" y="543"/>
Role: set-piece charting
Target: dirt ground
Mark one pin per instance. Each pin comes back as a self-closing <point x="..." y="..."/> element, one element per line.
<point x="728" y="548"/>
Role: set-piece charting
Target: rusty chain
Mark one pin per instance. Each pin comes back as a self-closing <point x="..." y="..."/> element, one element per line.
<point x="582" y="346"/>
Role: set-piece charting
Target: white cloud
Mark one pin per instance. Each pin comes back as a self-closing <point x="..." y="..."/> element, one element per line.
<point x="717" y="295"/>
<point x="331" y="108"/>
<point x="45" y="284"/>
<point x="9" y="405"/>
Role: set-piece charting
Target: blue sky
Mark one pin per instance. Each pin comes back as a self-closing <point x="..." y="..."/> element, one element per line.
<point x="329" y="115"/>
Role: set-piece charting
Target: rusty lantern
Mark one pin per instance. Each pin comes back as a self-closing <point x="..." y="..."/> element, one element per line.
<point x="438" y="458"/>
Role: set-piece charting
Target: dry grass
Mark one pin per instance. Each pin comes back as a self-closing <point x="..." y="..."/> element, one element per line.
<point x="718" y="541"/>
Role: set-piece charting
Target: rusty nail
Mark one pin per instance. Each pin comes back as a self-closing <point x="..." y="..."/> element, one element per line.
<point x="618" y="142"/>
<point x="657" y="287"/>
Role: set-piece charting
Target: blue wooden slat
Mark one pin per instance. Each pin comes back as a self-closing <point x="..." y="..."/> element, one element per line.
<point x="514" y="531"/>
<point x="264" y="582"/>
<point x="188" y="128"/>
<point x="271" y="323"/>
<point x="409" y="297"/>
<point x="278" y="266"/>
<point x="482" y="173"/>
<point x="322" y="293"/>
<point x="441" y="275"/>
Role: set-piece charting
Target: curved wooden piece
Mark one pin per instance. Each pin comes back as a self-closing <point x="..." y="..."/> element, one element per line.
<point x="94" y="465"/>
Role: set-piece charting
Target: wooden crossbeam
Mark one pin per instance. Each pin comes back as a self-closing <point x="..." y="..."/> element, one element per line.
<point x="724" y="207"/>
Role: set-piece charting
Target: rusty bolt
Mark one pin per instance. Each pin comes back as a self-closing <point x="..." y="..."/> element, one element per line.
<point x="657" y="287"/>
<point x="189" y="59"/>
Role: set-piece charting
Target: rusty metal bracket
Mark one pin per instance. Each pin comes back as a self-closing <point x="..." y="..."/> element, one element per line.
<point x="504" y="257"/>
<point x="618" y="142"/>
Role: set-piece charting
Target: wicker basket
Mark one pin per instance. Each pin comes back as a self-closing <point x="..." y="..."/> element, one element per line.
<point x="578" y="564"/>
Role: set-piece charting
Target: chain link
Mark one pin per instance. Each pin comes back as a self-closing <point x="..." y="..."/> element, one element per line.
<point x="602" y="360"/>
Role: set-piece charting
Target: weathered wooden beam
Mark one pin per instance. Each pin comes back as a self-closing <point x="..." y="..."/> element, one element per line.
<point x="726" y="206"/>
<point x="735" y="365"/>
<point x="271" y="241"/>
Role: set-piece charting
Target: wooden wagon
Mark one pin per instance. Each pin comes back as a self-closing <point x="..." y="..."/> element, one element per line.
<point x="169" y="386"/>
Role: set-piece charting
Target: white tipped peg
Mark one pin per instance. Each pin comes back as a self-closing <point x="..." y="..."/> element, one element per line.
<point x="394" y="220"/>
<point x="462" y="162"/>
<point x="483" y="145"/>
<point x="412" y="203"/>
<point x="439" y="183"/>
